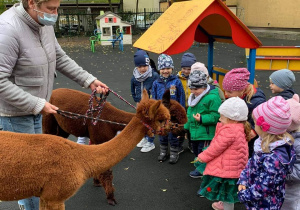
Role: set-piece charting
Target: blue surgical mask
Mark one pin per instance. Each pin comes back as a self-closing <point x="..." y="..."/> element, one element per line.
<point x="48" y="19"/>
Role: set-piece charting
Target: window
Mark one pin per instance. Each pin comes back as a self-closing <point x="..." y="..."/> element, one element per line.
<point x="126" y="30"/>
<point x="106" y="31"/>
<point x="110" y="20"/>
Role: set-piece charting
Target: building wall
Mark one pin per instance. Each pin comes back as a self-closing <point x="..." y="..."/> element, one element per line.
<point x="148" y="4"/>
<point x="268" y="13"/>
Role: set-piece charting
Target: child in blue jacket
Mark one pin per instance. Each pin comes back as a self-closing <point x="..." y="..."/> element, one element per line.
<point x="168" y="81"/>
<point x="143" y="78"/>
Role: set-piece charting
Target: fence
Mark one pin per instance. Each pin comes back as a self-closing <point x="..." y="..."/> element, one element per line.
<point x="68" y="24"/>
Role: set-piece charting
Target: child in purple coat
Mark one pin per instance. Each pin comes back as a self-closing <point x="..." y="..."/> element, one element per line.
<point x="262" y="182"/>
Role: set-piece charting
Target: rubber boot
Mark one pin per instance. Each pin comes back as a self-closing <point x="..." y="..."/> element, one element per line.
<point x="163" y="153"/>
<point x="174" y="155"/>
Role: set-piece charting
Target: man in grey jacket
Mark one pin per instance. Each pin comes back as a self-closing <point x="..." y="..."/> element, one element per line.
<point x="29" y="57"/>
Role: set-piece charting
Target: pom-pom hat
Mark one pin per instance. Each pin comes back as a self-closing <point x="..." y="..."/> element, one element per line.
<point x="273" y="116"/>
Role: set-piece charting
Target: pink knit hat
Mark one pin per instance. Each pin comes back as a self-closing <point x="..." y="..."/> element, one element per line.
<point x="236" y="79"/>
<point x="295" y="112"/>
<point x="273" y="116"/>
<point x="200" y="67"/>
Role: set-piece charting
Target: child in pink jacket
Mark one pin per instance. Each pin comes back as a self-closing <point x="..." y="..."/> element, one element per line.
<point x="227" y="155"/>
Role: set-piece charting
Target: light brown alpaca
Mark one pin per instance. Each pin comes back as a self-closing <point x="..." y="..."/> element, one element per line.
<point x="54" y="168"/>
<point x="77" y="102"/>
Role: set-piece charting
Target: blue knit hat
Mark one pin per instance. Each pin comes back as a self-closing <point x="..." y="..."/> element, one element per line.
<point x="141" y="58"/>
<point x="187" y="60"/>
<point x="165" y="61"/>
<point x="283" y="78"/>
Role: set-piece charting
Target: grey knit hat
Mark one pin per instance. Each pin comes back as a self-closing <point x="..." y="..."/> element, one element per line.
<point x="197" y="79"/>
<point x="283" y="78"/>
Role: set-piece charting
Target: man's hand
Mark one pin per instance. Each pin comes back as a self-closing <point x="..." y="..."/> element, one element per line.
<point x="99" y="86"/>
<point x="241" y="187"/>
<point x="49" y="109"/>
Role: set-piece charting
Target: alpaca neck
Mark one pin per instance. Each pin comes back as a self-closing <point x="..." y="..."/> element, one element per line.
<point x="104" y="156"/>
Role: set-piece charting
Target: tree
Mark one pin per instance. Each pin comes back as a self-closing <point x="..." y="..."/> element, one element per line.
<point x="110" y="6"/>
<point x="136" y="12"/>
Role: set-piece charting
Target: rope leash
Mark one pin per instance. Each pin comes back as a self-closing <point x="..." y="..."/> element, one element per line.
<point x="120" y="97"/>
<point x="99" y="108"/>
<point x="75" y="116"/>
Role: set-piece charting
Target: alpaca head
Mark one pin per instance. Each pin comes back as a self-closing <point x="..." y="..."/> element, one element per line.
<point x="177" y="112"/>
<point x="154" y="114"/>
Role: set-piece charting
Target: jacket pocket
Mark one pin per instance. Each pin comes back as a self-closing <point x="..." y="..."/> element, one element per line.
<point x="29" y="81"/>
<point x="32" y="85"/>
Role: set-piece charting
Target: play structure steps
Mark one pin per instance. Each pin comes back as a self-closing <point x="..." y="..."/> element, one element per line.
<point x="277" y="57"/>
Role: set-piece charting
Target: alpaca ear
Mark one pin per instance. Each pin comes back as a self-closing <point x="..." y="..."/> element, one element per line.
<point x="166" y="98"/>
<point x="153" y="109"/>
<point x="145" y="95"/>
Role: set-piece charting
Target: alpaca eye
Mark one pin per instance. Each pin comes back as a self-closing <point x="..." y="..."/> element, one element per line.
<point x="160" y="121"/>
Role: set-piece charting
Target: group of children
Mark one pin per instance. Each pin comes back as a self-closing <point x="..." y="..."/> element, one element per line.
<point x="245" y="146"/>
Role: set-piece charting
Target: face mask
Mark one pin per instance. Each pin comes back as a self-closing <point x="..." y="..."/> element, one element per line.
<point x="48" y="19"/>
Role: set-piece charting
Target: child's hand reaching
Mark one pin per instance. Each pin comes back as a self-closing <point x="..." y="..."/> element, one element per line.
<point x="241" y="187"/>
<point x="197" y="117"/>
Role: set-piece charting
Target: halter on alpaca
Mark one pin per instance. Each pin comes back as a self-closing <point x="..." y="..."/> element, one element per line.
<point x="54" y="168"/>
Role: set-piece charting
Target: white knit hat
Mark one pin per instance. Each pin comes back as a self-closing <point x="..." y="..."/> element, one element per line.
<point x="235" y="109"/>
<point x="200" y="67"/>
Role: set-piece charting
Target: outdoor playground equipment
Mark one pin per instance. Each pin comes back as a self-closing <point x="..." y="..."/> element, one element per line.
<point x="277" y="57"/>
<point x="205" y="21"/>
<point x="97" y="38"/>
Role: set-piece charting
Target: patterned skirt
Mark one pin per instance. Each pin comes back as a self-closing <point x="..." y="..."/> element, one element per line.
<point x="219" y="189"/>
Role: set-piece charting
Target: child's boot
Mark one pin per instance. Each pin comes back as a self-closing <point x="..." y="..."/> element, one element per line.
<point x="163" y="153"/>
<point x="174" y="155"/>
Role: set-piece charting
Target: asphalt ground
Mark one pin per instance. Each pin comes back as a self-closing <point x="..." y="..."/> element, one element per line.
<point x="140" y="181"/>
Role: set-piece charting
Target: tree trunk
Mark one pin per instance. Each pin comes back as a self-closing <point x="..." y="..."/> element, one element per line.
<point x="136" y="13"/>
<point x="110" y="6"/>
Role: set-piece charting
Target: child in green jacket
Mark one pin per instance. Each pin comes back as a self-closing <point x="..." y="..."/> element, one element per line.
<point x="204" y="102"/>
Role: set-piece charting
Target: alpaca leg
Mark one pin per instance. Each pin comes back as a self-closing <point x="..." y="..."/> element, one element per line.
<point x="62" y="133"/>
<point x="51" y="205"/>
<point x="106" y="181"/>
<point x="49" y="124"/>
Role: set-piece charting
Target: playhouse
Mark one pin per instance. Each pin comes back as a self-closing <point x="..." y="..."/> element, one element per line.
<point x="205" y="21"/>
<point x="110" y="25"/>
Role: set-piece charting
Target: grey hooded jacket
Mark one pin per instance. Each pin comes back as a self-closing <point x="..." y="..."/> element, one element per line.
<point x="292" y="185"/>
<point x="29" y="56"/>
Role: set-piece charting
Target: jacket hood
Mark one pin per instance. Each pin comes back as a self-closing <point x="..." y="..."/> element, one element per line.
<point x="282" y="149"/>
<point x="287" y="94"/>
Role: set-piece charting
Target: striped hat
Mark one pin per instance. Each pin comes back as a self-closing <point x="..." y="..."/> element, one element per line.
<point x="273" y="116"/>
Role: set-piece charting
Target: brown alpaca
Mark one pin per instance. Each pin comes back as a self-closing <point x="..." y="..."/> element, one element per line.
<point x="54" y="168"/>
<point x="77" y="102"/>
